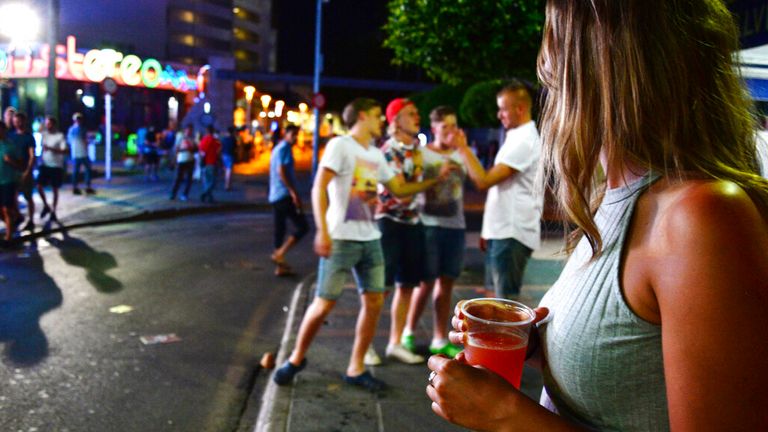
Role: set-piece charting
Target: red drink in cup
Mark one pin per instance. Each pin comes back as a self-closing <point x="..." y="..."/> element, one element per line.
<point x="498" y="335"/>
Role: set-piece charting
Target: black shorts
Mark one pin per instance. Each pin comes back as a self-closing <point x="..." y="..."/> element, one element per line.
<point x="8" y="195"/>
<point x="52" y="176"/>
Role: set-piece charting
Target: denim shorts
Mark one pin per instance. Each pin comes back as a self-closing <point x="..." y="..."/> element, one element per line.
<point x="227" y="160"/>
<point x="505" y="261"/>
<point x="403" y="246"/>
<point x="443" y="252"/>
<point x="8" y="192"/>
<point x="364" y="258"/>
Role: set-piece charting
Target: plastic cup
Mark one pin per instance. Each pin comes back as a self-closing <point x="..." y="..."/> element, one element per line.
<point x="497" y="331"/>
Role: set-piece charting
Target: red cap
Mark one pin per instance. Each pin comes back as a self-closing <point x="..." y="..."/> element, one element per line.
<point x="395" y="107"/>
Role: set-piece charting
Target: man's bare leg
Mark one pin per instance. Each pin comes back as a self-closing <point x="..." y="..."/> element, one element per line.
<point x="442" y="303"/>
<point x="418" y="302"/>
<point x="310" y="324"/>
<point x="367" y="321"/>
<point x="401" y="302"/>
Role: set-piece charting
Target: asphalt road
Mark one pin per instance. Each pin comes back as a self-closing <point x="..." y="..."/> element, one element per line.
<point x="71" y="364"/>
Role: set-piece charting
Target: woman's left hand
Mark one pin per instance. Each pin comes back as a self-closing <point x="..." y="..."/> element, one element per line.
<point x="473" y="397"/>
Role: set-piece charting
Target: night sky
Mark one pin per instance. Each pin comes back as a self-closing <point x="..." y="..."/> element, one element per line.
<point x="352" y="38"/>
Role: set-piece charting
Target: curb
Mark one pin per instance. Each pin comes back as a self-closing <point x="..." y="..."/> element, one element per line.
<point x="150" y="215"/>
<point x="267" y="421"/>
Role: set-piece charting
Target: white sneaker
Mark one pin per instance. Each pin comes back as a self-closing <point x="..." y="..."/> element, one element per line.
<point x="398" y="352"/>
<point x="371" y="358"/>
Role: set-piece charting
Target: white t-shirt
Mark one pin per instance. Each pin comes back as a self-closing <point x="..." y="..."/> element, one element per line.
<point x="352" y="192"/>
<point x="443" y="205"/>
<point x="184" y="147"/>
<point x="762" y="152"/>
<point x="512" y="207"/>
<point x="57" y="141"/>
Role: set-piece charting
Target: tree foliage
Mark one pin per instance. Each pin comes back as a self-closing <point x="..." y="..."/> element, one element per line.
<point x="478" y="107"/>
<point x="443" y="94"/>
<point x="466" y="40"/>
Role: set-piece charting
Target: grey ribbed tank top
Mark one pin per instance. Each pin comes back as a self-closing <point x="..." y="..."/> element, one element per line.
<point x="604" y="366"/>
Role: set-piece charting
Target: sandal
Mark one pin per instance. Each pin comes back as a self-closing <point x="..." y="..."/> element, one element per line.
<point x="280" y="261"/>
<point x="283" y="270"/>
<point x="366" y="381"/>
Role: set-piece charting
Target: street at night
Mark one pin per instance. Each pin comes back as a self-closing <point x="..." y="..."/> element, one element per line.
<point x="71" y="364"/>
<point x="387" y="216"/>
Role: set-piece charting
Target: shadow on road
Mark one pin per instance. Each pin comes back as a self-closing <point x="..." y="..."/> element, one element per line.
<point x="27" y="294"/>
<point x="77" y="252"/>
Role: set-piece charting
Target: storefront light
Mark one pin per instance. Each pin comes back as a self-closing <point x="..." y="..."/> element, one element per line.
<point x="303" y="107"/>
<point x="279" y="105"/>
<point x="263" y="114"/>
<point x="173" y="103"/>
<point x="271" y="114"/>
<point x="207" y="107"/>
<point x="89" y="101"/>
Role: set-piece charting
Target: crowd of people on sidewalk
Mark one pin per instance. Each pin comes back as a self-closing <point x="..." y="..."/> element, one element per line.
<point x="657" y="321"/>
<point x="17" y="169"/>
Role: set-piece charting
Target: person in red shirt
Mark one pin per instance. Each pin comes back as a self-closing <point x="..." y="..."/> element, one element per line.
<point x="210" y="149"/>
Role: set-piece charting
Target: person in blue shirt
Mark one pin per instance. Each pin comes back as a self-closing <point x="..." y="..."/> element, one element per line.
<point x="24" y="147"/>
<point x="9" y="168"/>
<point x="228" y="144"/>
<point x="285" y="201"/>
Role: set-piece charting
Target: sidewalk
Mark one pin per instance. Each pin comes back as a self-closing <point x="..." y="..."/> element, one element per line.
<point x="319" y="401"/>
<point x="129" y="196"/>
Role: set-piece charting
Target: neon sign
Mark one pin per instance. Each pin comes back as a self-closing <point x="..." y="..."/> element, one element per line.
<point x="94" y="66"/>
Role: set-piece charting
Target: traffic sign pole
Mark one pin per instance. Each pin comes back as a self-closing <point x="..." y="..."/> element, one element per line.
<point x="109" y="86"/>
<point x="108" y="137"/>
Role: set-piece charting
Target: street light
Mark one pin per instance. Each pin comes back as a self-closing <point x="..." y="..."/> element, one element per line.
<point x="265" y="98"/>
<point x="249" y="91"/>
<point x="19" y="22"/>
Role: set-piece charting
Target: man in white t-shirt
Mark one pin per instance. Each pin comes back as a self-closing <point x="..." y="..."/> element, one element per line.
<point x="511" y="220"/>
<point x="52" y="169"/>
<point x="347" y="237"/>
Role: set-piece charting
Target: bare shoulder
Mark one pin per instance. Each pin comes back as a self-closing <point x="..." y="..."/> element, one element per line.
<point x="710" y="278"/>
<point x="706" y="232"/>
<point x="701" y="210"/>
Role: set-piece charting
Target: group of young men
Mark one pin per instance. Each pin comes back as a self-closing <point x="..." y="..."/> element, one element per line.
<point x="394" y="217"/>
<point x="18" y="160"/>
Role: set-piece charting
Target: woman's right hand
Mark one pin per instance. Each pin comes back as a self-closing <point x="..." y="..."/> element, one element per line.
<point x="459" y="333"/>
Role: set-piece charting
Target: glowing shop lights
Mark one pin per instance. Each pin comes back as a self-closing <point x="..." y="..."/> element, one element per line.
<point x="94" y="65"/>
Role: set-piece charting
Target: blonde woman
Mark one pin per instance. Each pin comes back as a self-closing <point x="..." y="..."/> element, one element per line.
<point x="658" y="321"/>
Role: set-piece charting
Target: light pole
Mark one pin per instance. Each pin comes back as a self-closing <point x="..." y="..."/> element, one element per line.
<point x="316" y="86"/>
<point x="52" y="97"/>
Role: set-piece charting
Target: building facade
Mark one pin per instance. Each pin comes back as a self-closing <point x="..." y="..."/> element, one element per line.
<point x="201" y="29"/>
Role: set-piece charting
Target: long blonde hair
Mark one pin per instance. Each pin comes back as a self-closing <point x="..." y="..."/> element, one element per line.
<point x="647" y="81"/>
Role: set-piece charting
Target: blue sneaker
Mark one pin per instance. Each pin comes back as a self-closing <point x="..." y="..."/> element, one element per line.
<point x="366" y="381"/>
<point x="284" y="375"/>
